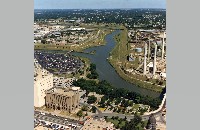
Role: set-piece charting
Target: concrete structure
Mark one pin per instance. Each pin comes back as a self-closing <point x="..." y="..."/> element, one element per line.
<point x="138" y="49"/>
<point x="131" y="57"/>
<point x="163" y="45"/>
<point x="145" y="59"/>
<point x="149" y="50"/>
<point x="43" y="80"/>
<point x="154" y="61"/>
<point x="63" y="99"/>
<point x="151" y="125"/>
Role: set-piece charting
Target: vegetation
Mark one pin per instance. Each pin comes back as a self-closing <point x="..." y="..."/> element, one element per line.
<point x="91" y="99"/>
<point x="135" y="124"/>
<point x="84" y="108"/>
<point x="103" y="87"/>
<point x="118" y="122"/>
<point x="93" y="109"/>
<point x="80" y="114"/>
<point x="93" y="74"/>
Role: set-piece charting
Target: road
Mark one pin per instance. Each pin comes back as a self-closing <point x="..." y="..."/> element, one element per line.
<point x="66" y="121"/>
<point x="129" y="117"/>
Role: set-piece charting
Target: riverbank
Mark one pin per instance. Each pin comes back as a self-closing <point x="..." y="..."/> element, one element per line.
<point x="118" y="60"/>
<point x="106" y="71"/>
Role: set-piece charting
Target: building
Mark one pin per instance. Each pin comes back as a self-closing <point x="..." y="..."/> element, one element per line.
<point x="43" y="80"/>
<point x="151" y="125"/>
<point x="63" y="98"/>
<point x="131" y="57"/>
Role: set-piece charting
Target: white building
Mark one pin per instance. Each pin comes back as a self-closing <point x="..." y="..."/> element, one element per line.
<point x="43" y="80"/>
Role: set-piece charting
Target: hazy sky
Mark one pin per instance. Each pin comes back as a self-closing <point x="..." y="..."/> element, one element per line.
<point x="97" y="4"/>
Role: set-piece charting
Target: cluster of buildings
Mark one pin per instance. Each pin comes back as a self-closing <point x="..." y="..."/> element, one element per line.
<point x="58" y="63"/>
<point x="46" y="94"/>
<point x="60" y="33"/>
<point x="149" y="46"/>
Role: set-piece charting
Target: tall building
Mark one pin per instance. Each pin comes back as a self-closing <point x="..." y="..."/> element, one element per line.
<point x="63" y="98"/>
<point x="43" y="80"/>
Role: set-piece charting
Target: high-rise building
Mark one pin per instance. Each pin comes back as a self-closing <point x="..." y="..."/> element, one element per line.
<point x="43" y="80"/>
<point x="63" y="98"/>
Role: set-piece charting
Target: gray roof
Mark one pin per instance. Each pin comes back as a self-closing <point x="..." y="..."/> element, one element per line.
<point x="152" y="119"/>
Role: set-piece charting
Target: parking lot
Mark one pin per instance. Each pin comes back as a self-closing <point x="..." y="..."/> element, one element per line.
<point x="58" y="63"/>
<point x="63" y="82"/>
<point x="55" y="122"/>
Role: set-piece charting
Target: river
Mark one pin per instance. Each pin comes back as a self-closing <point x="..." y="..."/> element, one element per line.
<point x="106" y="71"/>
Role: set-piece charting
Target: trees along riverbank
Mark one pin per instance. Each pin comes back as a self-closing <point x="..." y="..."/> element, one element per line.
<point x="104" y="88"/>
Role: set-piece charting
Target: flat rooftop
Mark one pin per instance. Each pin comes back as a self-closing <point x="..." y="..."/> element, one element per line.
<point x="61" y="91"/>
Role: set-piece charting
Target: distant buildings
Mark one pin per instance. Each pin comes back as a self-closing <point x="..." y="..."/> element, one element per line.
<point x="63" y="99"/>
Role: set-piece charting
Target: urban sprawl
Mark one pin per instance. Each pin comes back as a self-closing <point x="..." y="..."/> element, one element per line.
<point x="69" y="93"/>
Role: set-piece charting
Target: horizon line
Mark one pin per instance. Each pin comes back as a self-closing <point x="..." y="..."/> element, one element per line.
<point x="92" y="8"/>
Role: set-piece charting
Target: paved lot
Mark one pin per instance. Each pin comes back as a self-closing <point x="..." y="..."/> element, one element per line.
<point x="55" y="122"/>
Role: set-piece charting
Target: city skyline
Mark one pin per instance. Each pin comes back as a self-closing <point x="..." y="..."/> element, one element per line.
<point x="100" y="4"/>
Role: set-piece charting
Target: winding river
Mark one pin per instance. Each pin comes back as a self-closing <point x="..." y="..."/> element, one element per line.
<point x="106" y="71"/>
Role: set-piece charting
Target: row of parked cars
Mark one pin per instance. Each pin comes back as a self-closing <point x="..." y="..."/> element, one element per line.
<point x="54" y="126"/>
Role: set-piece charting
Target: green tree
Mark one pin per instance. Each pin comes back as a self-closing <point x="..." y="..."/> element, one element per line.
<point x="86" y="114"/>
<point x="84" y="108"/>
<point x="93" y="109"/>
<point x="134" y="124"/>
<point x="79" y="114"/>
<point x="91" y="99"/>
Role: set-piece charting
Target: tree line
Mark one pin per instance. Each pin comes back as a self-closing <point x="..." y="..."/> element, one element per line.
<point x="105" y="88"/>
<point x="93" y="74"/>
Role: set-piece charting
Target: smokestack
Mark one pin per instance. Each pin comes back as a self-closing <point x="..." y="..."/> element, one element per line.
<point x="154" y="62"/>
<point x="163" y="45"/>
<point x="149" y="50"/>
<point x="145" y="58"/>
